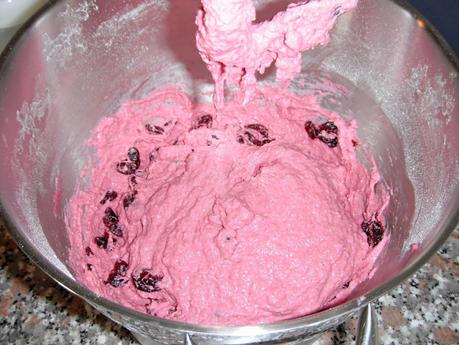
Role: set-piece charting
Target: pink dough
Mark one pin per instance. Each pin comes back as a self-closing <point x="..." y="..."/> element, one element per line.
<point x="252" y="210"/>
<point x="231" y="233"/>
<point x="234" y="47"/>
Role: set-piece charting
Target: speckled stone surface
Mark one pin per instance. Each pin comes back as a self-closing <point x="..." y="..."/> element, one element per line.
<point x="36" y="310"/>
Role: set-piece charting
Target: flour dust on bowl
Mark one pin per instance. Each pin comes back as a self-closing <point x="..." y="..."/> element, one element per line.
<point x="77" y="62"/>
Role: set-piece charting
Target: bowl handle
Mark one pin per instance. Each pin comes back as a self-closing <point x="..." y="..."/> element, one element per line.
<point x="367" y="327"/>
<point x="188" y="340"/>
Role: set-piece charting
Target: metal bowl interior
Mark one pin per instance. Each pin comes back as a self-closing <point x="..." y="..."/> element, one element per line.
<point x="75" y="62"/>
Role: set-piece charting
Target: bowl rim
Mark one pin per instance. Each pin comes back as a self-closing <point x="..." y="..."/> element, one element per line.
<point x="308" y="321"/>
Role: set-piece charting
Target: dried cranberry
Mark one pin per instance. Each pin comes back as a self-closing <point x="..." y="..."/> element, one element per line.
<point x="374" y="231"/>
<point x="116" y="229"/>
<point x="330" y="137"/>
<point x="250" y="138"/>
<point x="110" y="217"/>
<point x="354" y="143"/>
<point x="254" y="134"/>
<point x="328" y="127"/>
<point x="109" y="196"/>
<point x="126" y="168"/>
<point x="337" y="11"/>
<point x="204" y="121"/>
<point x="111" y="221"/>
<point x="134" y="156"/>
<point x="102" y="241"/>
<point x="132" y="182"/>
<point x="331" y="142"/>
<point x="154" y="129"/>
<point x="147" y="282"/>
<point x="311" y="129"/>
<point x="129" y="199"/>
<point x="89" y="266"/>
<point x="116" y="276"/>
<point x="88" y="251"/>
<point x="346" y="285"/>
<point x="259" y="128"/>
<point x="172" y="309"/>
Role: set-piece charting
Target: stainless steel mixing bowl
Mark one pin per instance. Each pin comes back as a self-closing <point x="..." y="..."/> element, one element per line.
<point x="77" y="61"/>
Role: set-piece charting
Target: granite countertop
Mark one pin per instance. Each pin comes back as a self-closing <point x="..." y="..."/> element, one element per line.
<point x="36" y="310"/>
